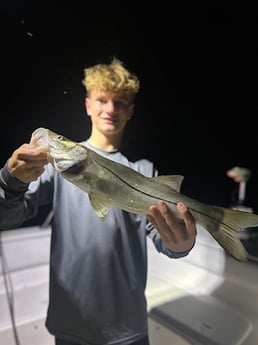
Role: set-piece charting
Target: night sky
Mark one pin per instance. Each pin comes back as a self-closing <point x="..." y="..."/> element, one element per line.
<point x="195" y="113"/>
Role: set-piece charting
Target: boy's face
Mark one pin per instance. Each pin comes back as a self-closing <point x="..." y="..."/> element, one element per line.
<point x="108" y="112"/>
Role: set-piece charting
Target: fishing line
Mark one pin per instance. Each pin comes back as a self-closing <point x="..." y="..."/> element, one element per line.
<point x="9" y="290"/>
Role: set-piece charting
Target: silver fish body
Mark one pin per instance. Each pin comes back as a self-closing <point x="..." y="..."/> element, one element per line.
<point x="109" y="183"/>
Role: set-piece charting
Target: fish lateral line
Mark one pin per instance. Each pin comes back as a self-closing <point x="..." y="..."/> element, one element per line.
<point x="169" y="202"/>
<point x="135" y="187"/>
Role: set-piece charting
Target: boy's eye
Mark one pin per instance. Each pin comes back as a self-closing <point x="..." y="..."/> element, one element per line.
<point x="118" y="103"/>
<point x="121" y="104"/>
<point x="102" y="101"/>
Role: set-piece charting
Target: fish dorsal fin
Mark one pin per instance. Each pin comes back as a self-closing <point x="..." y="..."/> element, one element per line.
<point x="173" y="181"/>
<point x="100" y="206"/>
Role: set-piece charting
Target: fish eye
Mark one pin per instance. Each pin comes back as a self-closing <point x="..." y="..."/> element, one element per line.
<point x="60" y="137"/>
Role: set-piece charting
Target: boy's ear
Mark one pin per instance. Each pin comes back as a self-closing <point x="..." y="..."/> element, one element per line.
<point x="87" y="105"/>
<point x="130" y="111"/>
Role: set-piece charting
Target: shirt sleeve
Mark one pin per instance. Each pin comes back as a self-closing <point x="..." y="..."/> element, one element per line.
<point x="20" y="201"/>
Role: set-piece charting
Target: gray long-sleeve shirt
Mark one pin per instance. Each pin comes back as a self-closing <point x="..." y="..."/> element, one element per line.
<point x="97" y="269"/>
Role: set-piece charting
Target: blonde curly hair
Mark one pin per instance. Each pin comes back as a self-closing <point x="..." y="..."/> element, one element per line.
<point x="113" y="78"/>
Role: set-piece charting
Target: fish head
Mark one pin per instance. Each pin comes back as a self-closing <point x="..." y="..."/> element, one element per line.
<point x="68" y="157"/>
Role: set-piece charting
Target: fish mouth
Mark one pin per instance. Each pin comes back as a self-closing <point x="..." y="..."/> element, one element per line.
<point x="69" y="169"/>
<point x="41" y="134"/>
<point x="69" y="158"/>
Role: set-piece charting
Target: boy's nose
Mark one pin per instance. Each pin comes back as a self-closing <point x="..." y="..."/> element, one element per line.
<point x="110" y="106"/>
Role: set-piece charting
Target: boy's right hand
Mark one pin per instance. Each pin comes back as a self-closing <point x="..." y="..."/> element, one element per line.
<point x="27" y="161"/>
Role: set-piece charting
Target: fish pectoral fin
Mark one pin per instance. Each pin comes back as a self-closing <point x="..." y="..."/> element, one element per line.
<point x="100" y="206"/>
<point x="173" y="181"/>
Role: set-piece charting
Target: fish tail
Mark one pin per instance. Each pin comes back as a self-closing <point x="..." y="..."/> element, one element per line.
<point x="226" y="231"/>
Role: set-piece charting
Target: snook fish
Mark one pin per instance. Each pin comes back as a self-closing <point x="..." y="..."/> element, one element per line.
<point x="109" y="183"/>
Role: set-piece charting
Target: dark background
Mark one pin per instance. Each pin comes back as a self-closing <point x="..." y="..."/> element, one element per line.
<point x="196" y="111"/>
